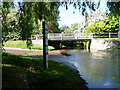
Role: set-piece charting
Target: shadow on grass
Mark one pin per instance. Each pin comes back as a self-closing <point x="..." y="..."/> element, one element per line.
<point x="27" y="72"/>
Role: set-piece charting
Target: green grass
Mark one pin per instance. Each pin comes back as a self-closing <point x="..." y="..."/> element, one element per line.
<point x="22" y="44"/>
<point x="16" y="73"/>
<point x="108" y="39"/>
<point x="115" y="47"/>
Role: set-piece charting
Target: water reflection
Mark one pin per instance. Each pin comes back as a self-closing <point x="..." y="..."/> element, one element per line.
<point x="99" y="69"/>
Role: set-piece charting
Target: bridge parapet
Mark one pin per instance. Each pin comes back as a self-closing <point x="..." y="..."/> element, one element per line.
<point x="71" y="36"/>
<point x="60" y="36"/>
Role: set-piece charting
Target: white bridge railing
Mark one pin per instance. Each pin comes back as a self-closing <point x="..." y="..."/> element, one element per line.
<point x="62" y="36"/>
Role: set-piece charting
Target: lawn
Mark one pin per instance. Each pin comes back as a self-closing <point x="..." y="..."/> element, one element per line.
<point x="108" y="39"/>
<point x="27" y="72"/>
<point x="22" y="44"/>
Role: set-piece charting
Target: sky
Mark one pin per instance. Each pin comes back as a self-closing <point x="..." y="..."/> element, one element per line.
<point x="68" y="18"/>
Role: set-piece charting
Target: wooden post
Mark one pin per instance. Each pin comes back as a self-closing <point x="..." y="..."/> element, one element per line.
<point x="119" y="30"/>
<point x="45" y="44"/>
<point x="1" y="50"/>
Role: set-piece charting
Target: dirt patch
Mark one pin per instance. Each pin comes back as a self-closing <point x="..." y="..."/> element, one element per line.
<point x="30" y="52"/>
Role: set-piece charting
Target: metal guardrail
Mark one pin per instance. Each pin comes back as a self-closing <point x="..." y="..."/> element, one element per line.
<point x="62" y="36"/>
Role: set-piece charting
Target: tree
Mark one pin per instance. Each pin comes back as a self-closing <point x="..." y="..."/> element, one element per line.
<point x="53" y="27"/>
<point x="74" y="27"/>
<point x="67" y="30"/>
<point x="28" y="16"/>
<point x="112" y="24"/>
<point x="30" y="12"/>
<point x="114" y="10"/>
<point x="99" y="27"/>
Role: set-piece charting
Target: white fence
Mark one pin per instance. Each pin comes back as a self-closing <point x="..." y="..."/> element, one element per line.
<point x="61" y="36"/>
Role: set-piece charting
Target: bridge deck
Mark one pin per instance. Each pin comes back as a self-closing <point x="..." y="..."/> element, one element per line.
<point x="70" y="40"/>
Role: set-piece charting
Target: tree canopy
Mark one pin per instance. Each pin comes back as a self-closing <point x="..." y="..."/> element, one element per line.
<point x="29" y="14"/>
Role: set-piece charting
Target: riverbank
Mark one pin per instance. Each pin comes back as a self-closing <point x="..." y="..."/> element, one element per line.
<point x="59" y="71"/>
<point x="103" y="44"/>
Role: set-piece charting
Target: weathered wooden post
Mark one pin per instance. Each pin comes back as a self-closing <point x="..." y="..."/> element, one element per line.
<point x="45" y="44"/>
<point x="119" y="30"/>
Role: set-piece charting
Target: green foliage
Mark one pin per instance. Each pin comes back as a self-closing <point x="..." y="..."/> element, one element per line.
<point x="67" y="30"/>
<point x="115" y="47"/>
<point x="27" y="16"/>
<point x="21" y="44"/>
<point x="64" y="29"/>
<point x="29" y="13"/>
<point x="53" y="27"/>
<point x="99" y="27"/>
<point x="81" y="6"/>
<point x="114" y="8"/>
<point x="5" y="11"/>
<point x="109" y="25"/>
<point x="112" y="24"/>
<point x="74" y="27"/>
<point x="26" y="72"/>
<point x="107" y="39"/>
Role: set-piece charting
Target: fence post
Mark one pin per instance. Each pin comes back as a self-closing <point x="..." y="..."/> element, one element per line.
<point x="89" y="35"/>
<point x="92" y="35"/>
<point x="36" y="37"/>
<point x="61" y="37"/>
<point x="48" y="36"/>
<point x="75" y="36"/>
<point x="109" y="34"/>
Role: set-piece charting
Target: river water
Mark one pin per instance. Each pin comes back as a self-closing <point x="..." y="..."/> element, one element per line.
<point x="98" y="68"/>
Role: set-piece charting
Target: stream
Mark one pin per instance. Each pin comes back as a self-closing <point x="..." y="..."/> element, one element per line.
<point x="98" y="68"/>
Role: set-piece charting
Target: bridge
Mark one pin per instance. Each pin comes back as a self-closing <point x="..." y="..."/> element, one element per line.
<point x="71" y="36"/>
<point x="55" y="39"/>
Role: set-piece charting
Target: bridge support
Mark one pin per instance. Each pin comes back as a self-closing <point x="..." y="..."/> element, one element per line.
<point x="72" y="43"/>
<point x="88" y="44"/>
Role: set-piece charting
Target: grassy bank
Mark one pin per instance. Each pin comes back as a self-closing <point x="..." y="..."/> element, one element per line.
<point x="108" y="39"/>
<point x="27" y="72"/>
<point x="22" y="44"/>
<point x="115" y="47"/>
